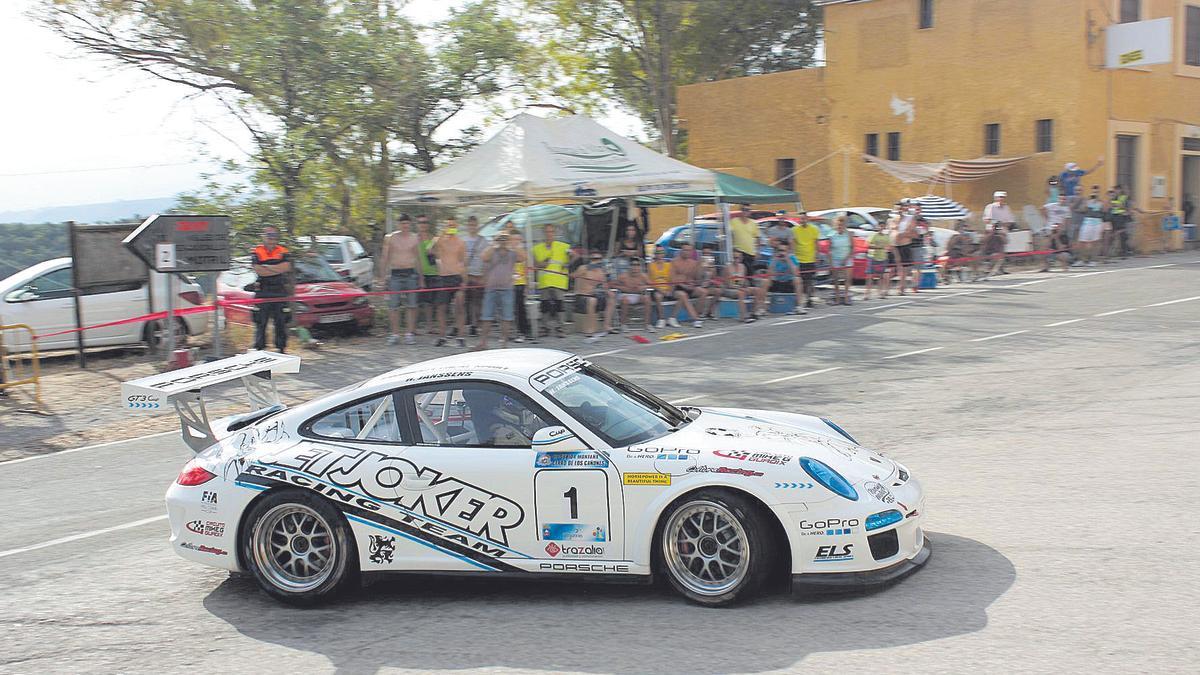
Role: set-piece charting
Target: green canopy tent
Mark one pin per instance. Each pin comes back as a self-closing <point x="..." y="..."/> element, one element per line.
<point x="730" y="189"/>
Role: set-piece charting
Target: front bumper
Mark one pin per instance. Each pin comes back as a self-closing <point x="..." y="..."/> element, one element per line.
<point x="852" y="581"/>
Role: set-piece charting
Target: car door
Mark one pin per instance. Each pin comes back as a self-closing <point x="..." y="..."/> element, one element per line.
<point x="477" y="436"/>
<point x="112" y="303"/>
<point x="361" y="264"/>
<point x="45" y="304"/>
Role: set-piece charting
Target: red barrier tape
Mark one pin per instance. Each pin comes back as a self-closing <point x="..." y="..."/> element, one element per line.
<point x="247" y="303"/>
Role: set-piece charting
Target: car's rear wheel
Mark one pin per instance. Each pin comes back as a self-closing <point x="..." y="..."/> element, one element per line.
<point x="299" y="548"/>
<point x="714" y="548"/>
<point x="155" y="334"/>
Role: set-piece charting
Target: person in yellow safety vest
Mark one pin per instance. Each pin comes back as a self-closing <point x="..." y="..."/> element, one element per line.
<point x="551" y="259"/>
<point x="1119" y="211"/>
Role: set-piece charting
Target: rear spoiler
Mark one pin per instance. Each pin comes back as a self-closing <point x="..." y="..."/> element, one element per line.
<point x="183" y="389"/>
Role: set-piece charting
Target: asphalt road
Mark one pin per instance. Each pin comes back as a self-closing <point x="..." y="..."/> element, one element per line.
<point x="1052" y="419"/>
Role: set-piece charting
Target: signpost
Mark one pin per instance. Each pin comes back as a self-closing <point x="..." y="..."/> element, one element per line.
<point x="182" y="243"/>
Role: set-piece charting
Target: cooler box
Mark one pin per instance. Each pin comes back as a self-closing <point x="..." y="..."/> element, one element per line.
<point x="928" y="279"/>
<point x="781" y="303"/>
<point x="728" y="308"/>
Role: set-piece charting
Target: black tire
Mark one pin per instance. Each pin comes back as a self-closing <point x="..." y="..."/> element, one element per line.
<point x="683" y="546"/>
<point x="154" y="334"/>
<point x="272" y="566"/>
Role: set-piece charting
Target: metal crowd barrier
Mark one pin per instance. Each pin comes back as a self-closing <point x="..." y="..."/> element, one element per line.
<point x="21" y="368"/>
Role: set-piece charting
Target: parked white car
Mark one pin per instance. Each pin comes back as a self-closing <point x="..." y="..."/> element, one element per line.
<point x="346" y="256"/>
<point x="41" y="297"/>
<point x="862" y="221"/>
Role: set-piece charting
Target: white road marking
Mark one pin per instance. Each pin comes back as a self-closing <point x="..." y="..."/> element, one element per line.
<point x="894" y="304"/>
<point x="1172" y="302"/>
<point x="794" y="377"/>
<point x="811" y="318"/>
<point x="1063" y="323"/>
<point x="611" y="351"/>
<point x="86" y="447"/>
<point x="693" y="337"/>
<point x="685" y="400"/>
<point x="1153" y="267"/>
<point x="919" y="351"/>
<point x="1118" y="311"/>
<point x="997" y="337"/>
<point x="82" y="535"/>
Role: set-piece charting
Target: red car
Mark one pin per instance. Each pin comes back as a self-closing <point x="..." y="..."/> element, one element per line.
<point x="326" y="298"/>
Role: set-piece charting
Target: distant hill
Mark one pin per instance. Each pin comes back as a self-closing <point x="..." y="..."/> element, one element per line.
<point x="90" y="213"/>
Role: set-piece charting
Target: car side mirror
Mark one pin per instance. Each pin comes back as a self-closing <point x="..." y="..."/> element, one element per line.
<point x="557" y="439"/>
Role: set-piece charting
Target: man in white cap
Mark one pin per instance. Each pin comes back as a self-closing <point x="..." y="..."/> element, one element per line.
<point x="1069" y="179"/>
<point x="998" y="219"/>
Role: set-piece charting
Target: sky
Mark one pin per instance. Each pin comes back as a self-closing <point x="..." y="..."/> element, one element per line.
<point x="79" y="131"/>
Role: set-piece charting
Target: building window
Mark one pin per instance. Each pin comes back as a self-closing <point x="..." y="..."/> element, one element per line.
<point x="1131" y="10"/>
<point x="926" y="13"/>
<point x="785" y="174"/>
<point x="1045" y="135"/>
<point x="1191" y="144"/>
<point x="991" y="139"/>
<point x="894" y="146"/>
<point x="1191" y="39"/>
<point x="1127" y="149"/>
<point x="871" y="147"/>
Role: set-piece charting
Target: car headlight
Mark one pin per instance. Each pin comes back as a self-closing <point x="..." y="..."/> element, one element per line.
<point x="299" y="307"/>
<point x="883" y="519"/>
<point x="835" y="427"/>
<point x="823" y="474"/>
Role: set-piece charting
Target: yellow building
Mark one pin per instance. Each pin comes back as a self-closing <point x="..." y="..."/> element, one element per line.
<point x="926" y="80"/>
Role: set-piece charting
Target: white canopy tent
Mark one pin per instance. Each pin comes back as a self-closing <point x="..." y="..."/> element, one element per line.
<point x="534" y="158"/>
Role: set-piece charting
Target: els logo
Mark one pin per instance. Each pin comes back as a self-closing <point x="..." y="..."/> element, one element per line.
<point x="835" y="553"/>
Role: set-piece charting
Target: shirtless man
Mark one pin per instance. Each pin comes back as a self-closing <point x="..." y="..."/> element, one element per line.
<point x="399" y="272"/>
<point x="451" y="255"/>
<point x="737" y="286"/>
<point x="686" y="275"/>
<point x="591" y="295"/>
<point x="634" y="287"/>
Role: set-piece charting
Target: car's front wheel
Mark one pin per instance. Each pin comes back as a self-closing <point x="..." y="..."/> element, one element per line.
<point x="714" y="548"/>
<point x="299" y="548"/>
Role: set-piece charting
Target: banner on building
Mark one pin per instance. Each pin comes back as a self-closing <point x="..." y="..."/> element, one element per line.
<point x="1140" y="43"/>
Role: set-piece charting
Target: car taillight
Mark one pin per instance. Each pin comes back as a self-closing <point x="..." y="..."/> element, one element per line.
<point x="192" y="297"/>
<point x="194" y="474"/>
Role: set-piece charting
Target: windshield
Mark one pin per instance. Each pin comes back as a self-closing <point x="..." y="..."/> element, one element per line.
<point x="616" y="410"/>
<point x="331" y="252"/>
<point x="314" y="269"/>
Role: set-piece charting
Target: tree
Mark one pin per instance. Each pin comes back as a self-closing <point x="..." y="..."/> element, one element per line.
<point x="640" y="50"/>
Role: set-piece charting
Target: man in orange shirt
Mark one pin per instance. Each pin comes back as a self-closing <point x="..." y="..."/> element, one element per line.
<point x="271" y="264"/>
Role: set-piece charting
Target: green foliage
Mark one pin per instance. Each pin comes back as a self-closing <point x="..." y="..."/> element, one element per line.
<point x="29" y="244"/>
<point x="638" y="51"/>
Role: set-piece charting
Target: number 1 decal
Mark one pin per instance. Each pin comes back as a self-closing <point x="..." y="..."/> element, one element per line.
<point x="572" y="496"/>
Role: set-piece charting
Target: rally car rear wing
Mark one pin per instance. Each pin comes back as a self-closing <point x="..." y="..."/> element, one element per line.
<point x="184" y="390"/>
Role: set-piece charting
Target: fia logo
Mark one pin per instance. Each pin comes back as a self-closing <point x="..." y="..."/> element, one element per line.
<point x="834" y="553"/>
<point x="208" y="501"/>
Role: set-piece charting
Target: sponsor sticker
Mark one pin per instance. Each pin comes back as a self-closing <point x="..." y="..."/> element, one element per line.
<point x="724" y="469"/>
<point x="671" y="454"/>
<point x="142" y="401"/>
<point x="830" y="527"/>
<point x="208" y="501"/>
<point x="878" y="491"/>
<point x="761" y="457"/>
<point x="381" y="548"/>
<point x="574" y="550"/>
<point x="580" y="459"/>
<point x="582" y="567"/>
<point x="573" y="532"/>
<point x="208" y="528"/>
<point x="202" y="548"/>
<point x="646" y="478"/>
<point x="834" y="553"/>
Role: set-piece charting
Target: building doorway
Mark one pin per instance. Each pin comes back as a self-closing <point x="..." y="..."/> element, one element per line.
<point x="1191" y="189"/>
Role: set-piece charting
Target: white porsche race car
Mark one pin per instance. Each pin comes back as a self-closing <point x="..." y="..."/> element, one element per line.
<point x="525" y="462"/>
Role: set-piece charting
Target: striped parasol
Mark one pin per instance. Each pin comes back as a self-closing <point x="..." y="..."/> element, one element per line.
<point x="940" y="208"/>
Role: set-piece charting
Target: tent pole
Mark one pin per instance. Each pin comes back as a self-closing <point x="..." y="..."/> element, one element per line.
<point x="692" y="223"/>
<point x="724" y="228"/>
<point x="532" y="300"/>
